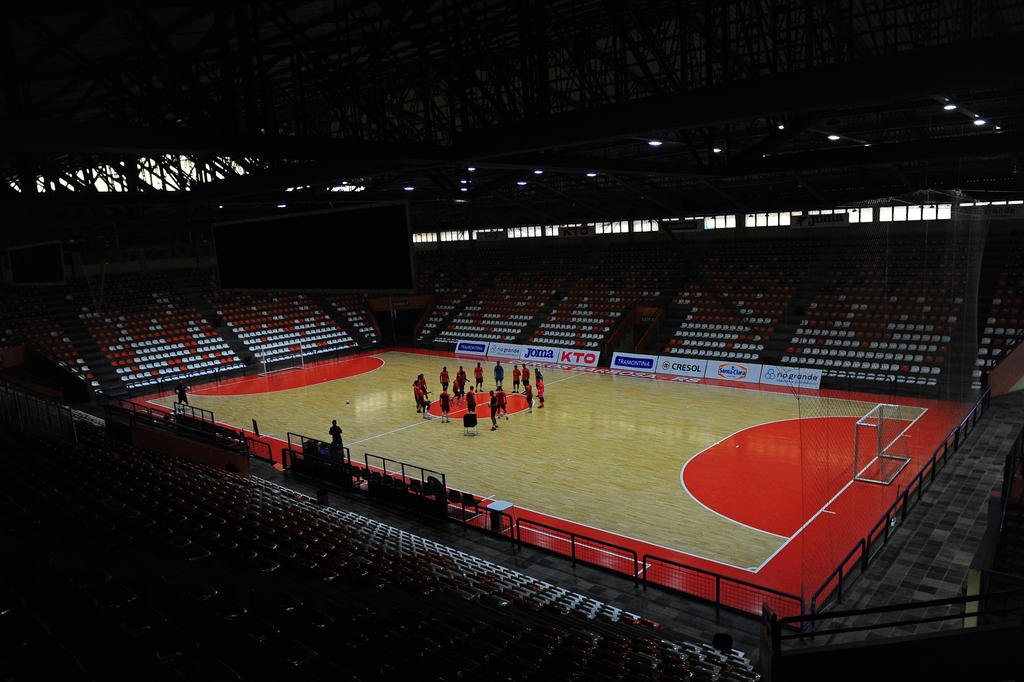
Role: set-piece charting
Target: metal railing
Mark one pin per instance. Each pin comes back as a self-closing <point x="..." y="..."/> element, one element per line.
<point x="20" y="410"/>
<point x="579" y="547"/>
<point x="716" y="588"/>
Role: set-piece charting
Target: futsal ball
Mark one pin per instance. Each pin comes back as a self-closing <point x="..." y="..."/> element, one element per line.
<point x="348" y="402"/>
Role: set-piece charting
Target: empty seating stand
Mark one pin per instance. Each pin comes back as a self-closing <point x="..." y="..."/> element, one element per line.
<point x="735" y="301"/>
<point x="1003" y="322"/>
<point x="153" y="337"/>
<point x="281" y="326"/>
<point x="356" y="317"/>
<point x="879" y="321"/>
<point x="26" y="317"/>
<point x="211" y="575"/>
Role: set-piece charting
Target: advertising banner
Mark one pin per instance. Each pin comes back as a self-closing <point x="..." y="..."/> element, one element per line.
<point x="728" y="370"/>
<point x="791" y="377"/>
<point x="562" y="356"/>
<point x="474" y="348"/>
<point x="505" y="351"/>
<point x="638" y="363"/>
<point x="680" y="366"/>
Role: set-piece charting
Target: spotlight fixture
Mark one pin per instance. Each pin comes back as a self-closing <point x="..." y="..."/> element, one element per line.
<point x="282" y="205"/>
<point x="655" y="143"/>
<point x="538" y="172"/>
<point x="591" y="174"/>
<point x="781" y="126"/>
<point x="408" y="188"/>
<point x="220" y="205"/>
<point x="716" y="150"/>
<point x="463" y="181"/>
<point x="463" y="189"/>
<point x="471" y="168"/>
<point x="833" y="137"/>
<point x="521" y="183"/>
<point x="949" y="107"/>
<point x="980" y="121"/>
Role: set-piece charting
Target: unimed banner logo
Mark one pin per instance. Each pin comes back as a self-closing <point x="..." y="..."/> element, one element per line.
<point x="471" y="348"/>
<point x="640" y="363"/>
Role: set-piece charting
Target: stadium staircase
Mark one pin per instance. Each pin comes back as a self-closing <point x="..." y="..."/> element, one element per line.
<point x="199" y="298"/>
<point x="351" y="313"/>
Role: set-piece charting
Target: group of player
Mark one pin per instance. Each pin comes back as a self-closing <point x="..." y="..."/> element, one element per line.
<point x="497" y="398"/>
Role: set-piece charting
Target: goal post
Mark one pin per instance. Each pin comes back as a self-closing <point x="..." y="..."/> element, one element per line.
<point x="281" y="358"/>
<point x="880" y="448"/>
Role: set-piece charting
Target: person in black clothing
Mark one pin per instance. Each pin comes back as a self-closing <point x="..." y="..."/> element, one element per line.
<point x="493" y="404"/>
<point x="182" y="393"/>
<point x="335" y="432"/>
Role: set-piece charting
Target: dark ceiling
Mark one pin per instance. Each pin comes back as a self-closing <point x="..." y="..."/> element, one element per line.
<point x="250" y="105"/>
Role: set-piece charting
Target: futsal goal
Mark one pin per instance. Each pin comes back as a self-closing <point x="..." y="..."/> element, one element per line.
<point x="881" y="443"/>
<point x="280" y="358"/>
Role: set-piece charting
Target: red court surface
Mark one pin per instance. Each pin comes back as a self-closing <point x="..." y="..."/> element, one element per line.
<point x="791" y="478"/>
<point x="293" y="378"/>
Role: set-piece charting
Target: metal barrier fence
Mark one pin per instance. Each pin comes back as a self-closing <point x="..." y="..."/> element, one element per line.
<point x="22" y="411"/>
<point x="578" y="547"/>
<point x="313" y="447"/>
<point x="196" y="413"/>
<point x="406" y="471"/>
<point x="718" y="589"/>
<point x="259" y="449"/>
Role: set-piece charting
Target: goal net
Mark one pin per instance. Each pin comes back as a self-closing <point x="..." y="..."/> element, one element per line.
<point x="280" y="358"/>
<point x="880" y="443"/>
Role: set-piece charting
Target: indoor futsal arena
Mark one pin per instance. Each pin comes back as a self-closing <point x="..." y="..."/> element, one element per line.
<point x="533" y="341"/>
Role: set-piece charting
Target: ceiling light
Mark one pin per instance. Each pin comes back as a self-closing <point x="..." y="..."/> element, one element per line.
<point x="980" y="121"/>
<point x="781" y="126"/>
<point x="408" y="188"/>
<point x="471" y="168"/>
<point x="833" y="137"/>
<point x="655" y="143"/>
<point x="463" y="181"/>
<point x="538" y="172"/>
<point x="949" y="107"/>
<point x="521" y="183"/>
<point x="717" y="150"/>
<point x="220" y="205"/>
<point x="591" y="174"/>
<point x="463" y="189"/>
<point x="282" y="205"/>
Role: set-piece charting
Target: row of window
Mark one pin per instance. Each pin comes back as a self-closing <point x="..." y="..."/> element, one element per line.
<point x="885" y="214"/>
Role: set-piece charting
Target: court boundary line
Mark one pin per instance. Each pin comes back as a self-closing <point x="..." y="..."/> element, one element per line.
<point x="374" y="355"/>
<point x="835" y="497"/>
<point x="577" y="371"/>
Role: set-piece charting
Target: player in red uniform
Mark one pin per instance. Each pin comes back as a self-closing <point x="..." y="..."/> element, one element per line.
<point x="516" y="374"/>
<point x="418" y="394"/>
<point x="502" y="402"/>
<point x="461" y="374"/>
<point x="471" y="401"/>
<point x="540" y="390"/>
<point x="528" y="392"/>
<point x="459" y="388"/>
<point x="445" y="405"/>
<point x="444" y="378"/>
<point x="526" y="374"/>
<point x="478" y="374"/>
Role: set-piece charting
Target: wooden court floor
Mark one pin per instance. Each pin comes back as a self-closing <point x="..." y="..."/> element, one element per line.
<point x="606" y="451"/>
